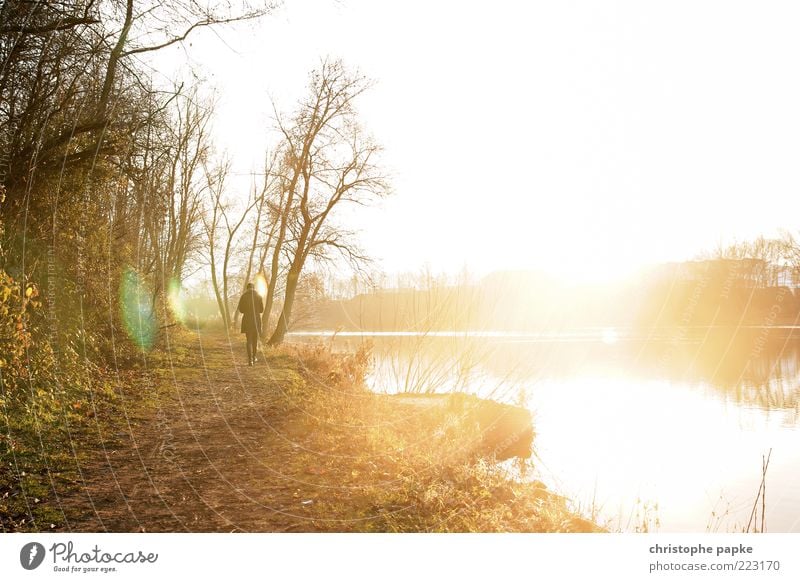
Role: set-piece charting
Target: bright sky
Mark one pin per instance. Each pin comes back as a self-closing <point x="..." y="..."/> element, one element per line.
<point x="585" y="137"/>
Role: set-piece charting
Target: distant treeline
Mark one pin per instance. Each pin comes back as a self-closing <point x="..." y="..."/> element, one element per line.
<point x="721" y="292"/>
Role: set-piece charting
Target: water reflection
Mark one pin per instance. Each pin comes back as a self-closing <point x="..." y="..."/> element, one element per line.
<point x="663" y="426"/>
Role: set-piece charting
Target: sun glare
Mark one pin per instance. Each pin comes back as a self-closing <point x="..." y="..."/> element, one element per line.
<point x="610" y="336"/>
<point x="261" y="284"/>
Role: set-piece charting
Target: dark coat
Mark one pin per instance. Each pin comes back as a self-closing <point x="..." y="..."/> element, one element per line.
<point x="251" y="307"/>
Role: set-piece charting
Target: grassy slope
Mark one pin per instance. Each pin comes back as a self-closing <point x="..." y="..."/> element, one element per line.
<point x="197" y="441"/>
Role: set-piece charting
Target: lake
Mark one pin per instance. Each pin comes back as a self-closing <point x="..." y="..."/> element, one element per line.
<point x="659" y="430"/>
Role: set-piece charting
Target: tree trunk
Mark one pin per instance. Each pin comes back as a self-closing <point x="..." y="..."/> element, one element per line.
<point x="113" y="61"/>
<point x="284" y="318"/>
<point x="275" y="265"/>
<point x="220" y="302"/>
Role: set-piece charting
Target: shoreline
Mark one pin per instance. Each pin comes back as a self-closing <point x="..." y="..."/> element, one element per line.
<point x="201" y="442"/>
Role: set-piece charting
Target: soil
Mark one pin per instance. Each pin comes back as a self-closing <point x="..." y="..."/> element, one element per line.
<point x="214" y="451"/>
<point x="201" y="442"/>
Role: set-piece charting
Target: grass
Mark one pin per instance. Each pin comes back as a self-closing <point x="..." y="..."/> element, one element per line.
<point x="44" y="440"/>
<point x="412" y="464"/>
<point x="296" y="443"/>
<point x="51" y="431"/>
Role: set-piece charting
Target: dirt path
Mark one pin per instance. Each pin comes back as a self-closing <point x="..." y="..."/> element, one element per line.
<point x="211" y="452"/>
<point x="201" y="442"/>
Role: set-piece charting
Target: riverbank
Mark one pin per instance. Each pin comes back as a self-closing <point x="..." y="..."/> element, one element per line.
<point x="198" y="441"/>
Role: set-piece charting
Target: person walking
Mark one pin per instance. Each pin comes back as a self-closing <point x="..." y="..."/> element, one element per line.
<point x="251" y="307"/>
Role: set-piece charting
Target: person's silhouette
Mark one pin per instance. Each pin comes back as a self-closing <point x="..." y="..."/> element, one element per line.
<point x="251" y="307"/>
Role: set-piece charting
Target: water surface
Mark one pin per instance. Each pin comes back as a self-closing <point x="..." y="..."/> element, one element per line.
<point x="659" y="429"/>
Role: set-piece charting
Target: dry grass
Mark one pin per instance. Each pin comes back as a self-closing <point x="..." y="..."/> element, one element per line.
<point x="198" y="441"/>
<point x="412" y="463"/>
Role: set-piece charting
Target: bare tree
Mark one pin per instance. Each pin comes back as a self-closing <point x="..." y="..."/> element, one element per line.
<point x="222" y="225"/>
<point x="159" y="205"/>
<point x="275" y="205"/>
<point x="331" y="164"/>
<point x="97" y="40"/>
<point x="790" y="247"/>
<point x="98" y="163"/>
<point x="265" y="224"/>
<point x="191" y="148"/>
<point x="759" y="261"/>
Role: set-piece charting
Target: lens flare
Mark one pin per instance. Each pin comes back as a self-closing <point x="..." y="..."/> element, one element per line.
<point x="138" y="315"/>
<point x="176" y="300"/>
<point x="261" y="284"/>
<point x="610" y="336"/>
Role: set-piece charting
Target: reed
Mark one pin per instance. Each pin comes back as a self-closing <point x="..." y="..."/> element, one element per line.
<point x="762" y="497"/>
